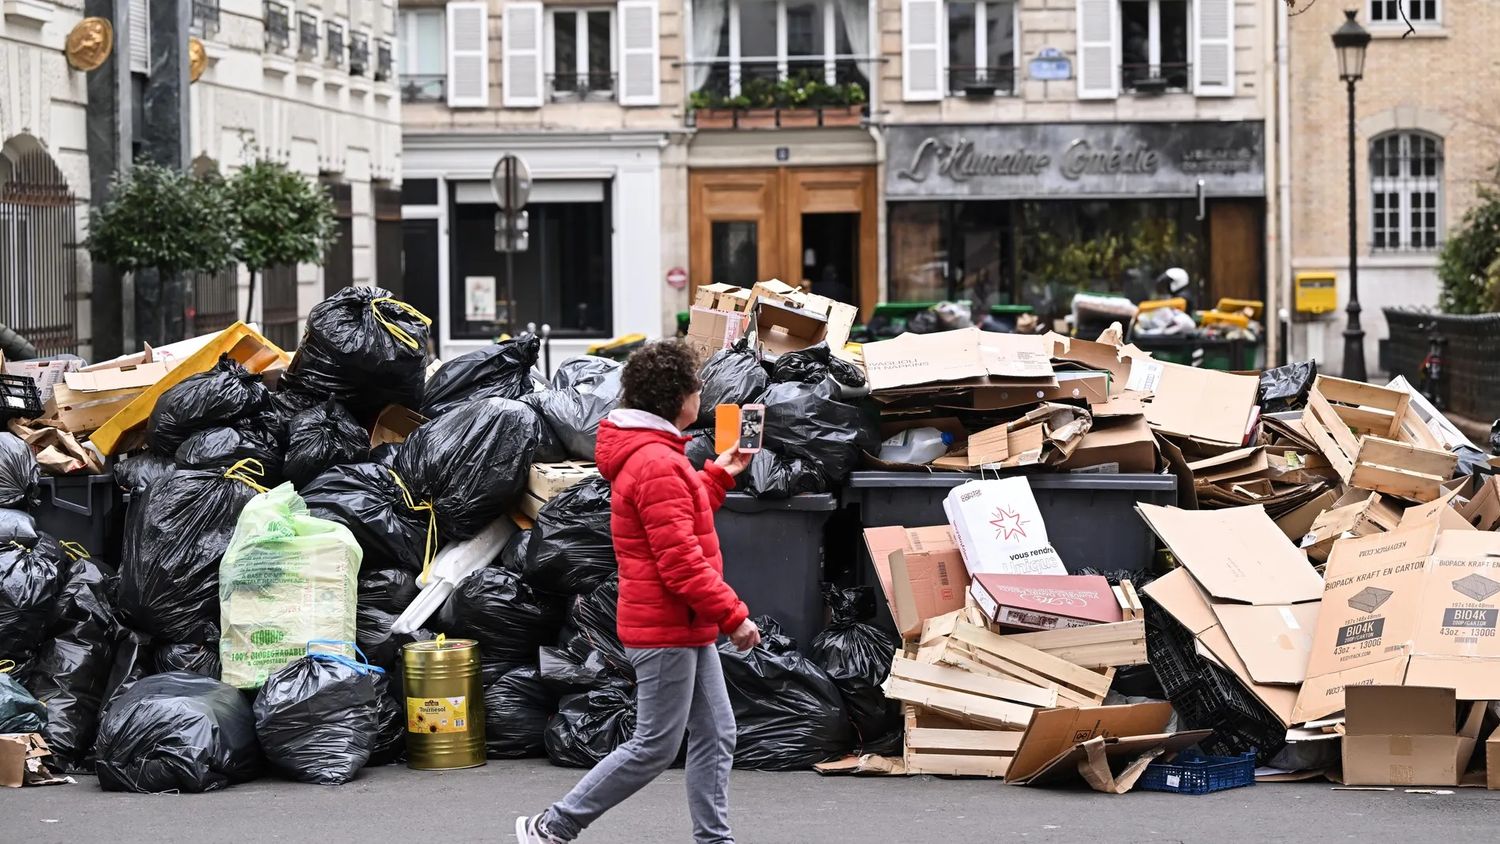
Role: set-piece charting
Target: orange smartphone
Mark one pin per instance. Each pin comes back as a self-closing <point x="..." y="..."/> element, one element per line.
<point x="726" y="427"/>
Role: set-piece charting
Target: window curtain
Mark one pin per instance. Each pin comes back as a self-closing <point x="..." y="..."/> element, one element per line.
<point x="708" y="26"/>
<point x="857" y="25"/>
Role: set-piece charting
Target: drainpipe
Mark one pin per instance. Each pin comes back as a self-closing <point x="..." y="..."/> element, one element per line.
<point x="1284" y="164"/>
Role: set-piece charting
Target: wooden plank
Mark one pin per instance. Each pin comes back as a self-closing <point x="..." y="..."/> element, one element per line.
<point x="967" y="708"/>
<point x="1333" y="423"/>
<point x="1342" y="462"/>
<point x="1367" y="421"/>
<point x="1095" y="646"/>
<point x="963" y="741"/>
<point x="1066" y="695"/>
<point x="1137" y="609"/>
<point x="1359" y="393"/>
<point x="1416" y="432"/>
<point x="83" y="412"/>
<point x="957" y="765"/>
<point x="1061" y="670"/>
<point x="959" y="680"/>
<point x="1406" y="457"/>
<point x="1408" y="485"/>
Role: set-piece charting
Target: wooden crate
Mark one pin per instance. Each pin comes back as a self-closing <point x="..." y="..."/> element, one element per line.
<point x="83" y="412"/>
<point x="1374" y="441"/>
<point x="548" y="480"/>
<point x="942" y="747"/>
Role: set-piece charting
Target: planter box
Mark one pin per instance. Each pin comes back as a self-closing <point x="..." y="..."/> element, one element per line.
<point x="757" y="118"/>
<point x="714" y="118"/>
<point x="843" y="115"/>
<point x="798" y="118"/>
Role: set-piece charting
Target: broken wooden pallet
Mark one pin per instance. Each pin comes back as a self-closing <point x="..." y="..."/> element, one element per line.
<point x="941" y="747"/>
<point x="1074" y="684"/>
<point x="1374" y="441"/>
<point x="970" y="699"/>
<point x="548" y="480"/>
<point x="1095" y="646"/>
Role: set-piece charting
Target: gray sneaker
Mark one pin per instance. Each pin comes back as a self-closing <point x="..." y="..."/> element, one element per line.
<point x="529" y="831"/>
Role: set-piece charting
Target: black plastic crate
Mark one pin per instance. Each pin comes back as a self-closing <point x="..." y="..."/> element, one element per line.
<point x="19" y="398"/>
<point x="87" y="509"/>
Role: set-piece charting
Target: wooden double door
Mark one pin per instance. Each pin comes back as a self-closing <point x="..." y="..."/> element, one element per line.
<point x="813" y="224"/>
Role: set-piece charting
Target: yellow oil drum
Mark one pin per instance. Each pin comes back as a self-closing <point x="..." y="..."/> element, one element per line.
<point x="444" y="705"/>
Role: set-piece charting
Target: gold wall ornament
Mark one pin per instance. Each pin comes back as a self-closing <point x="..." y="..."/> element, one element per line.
<point x="197" y="59"/>
<point x="89" y="44"/>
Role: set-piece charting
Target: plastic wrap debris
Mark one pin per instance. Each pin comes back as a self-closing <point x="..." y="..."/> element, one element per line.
<point x="175" y="536"/>
<point x="454" y="563"/>
<point x="372" y="502"/>
<point x="583" y="392"/>
<point x="363" y="347"/>
<point x="517" y="708"/>
<point x="72" y="669"/>
<point x="493" y="607"/>
<point x="471" y="464"/>
<point x="808" y="422"/>
<point x="391" y="590"/>
<point x="731" y="376"/>
<point x="789" y="711"/>
<point x="138" y="471"/>
<point x="217" y="449"/>
<point x="572" y="549"/>
<point x="1285" y="387"/>
<point x="19" y="711"/>
<point x="177" y="732"/>
<point x="287" y="579"/>
<point x="321" y="437"/>
<point x="226" y="395"/>
<point x="499" y="371"/>
<point x="589" y="726"/>
<point x="857" y="657"/>
<point x="318" y="717"/>
<point x="31" y="581"/>
<point x="20" y="477"/>
<point x="592" y="627"/>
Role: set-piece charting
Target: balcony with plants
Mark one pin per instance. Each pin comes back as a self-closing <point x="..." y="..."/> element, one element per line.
<point x="801" y="101"/>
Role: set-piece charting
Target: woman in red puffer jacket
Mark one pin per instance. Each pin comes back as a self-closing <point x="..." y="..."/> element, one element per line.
<point x="674" y="603"/>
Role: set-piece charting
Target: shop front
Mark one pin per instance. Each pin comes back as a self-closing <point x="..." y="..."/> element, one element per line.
<point x="1031" y="214"/>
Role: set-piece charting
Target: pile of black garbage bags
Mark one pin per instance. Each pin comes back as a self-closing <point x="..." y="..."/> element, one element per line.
<point x="116" y="655"/>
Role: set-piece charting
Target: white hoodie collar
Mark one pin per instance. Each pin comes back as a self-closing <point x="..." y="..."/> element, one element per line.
<point x="639" y="419"/>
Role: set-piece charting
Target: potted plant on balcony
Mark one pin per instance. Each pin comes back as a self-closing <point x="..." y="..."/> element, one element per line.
<point x="759" y="110"/>
<point x="796" y="100"/>
<point x="712" y="111"/>
<point x="845" y="105"/>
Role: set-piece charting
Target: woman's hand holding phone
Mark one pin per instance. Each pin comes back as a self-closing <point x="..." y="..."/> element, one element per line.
<point x="734" y="461"/>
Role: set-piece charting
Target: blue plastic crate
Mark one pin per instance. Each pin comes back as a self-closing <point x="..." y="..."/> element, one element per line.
<point x="1191" y="773"/>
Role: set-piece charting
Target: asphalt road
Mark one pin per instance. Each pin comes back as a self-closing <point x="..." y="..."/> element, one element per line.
<point x="393" y="805"/>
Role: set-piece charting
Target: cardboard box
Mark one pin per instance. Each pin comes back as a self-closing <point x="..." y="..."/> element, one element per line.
<point x="781" y="328"/>
<point x="130" y="376"/>
<point x="1483" y="509"/>
<point x="1115" y="446"/>
<point x="711" y="330"/>
<point x="46" y="373"/>
<point x="1000" y="529"/>
<point x="1090" y="387"/>
<point x="1046" y="602"/>
<point x="1237" y="554"/>
<point x="1093" y="355"/>
<point x="23" y="761"/>
<point x="394" y="425"/>
<point x="839" y="315"/>
<point x="1406" y="735"/>
<point x="921" y="572"/>
<point x="1053" y="746"/>
<point x="967" y="356"/>
<point x="1456" y="644"/>
<point x="723" y="297"/>
<point x="1047" y="435"/>
<point x="1492" y="761"/>
<point x="1201" y="404"/>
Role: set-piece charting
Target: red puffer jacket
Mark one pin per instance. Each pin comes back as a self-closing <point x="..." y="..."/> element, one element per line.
<point x="672" y="589"/>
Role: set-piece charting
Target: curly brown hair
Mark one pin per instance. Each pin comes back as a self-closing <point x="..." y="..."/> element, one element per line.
<point x="660" y="377"/>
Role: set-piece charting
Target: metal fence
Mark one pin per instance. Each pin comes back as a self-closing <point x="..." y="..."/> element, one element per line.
<point x="280" y="306"/>
<point x="1470" y="380"/>
<point x="215" y="300"/>
<point x="38" y="253"/>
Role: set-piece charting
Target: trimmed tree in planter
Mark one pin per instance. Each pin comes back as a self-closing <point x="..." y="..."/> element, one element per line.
<point x="1469" y="266"/>
<point x="160" y="218"/>
<point x="283" y="219"/>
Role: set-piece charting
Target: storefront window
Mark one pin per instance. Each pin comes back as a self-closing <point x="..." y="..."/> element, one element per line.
<point x="736" y="253"/>
<point x="918" y="252"/>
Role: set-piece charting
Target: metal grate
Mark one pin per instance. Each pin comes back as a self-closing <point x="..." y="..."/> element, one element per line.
<point x="38" y="253"/>
<point x="580" y="86"/>
<point x="215" y="300"/>
<point x="1156" y="78"/>
<point x="981" y="81"/>
<point x="424" y="87"/>
<point x="359" y="53"/>
<point x="280" y="306"/>
<point x="278" y="26"/>
<point x="307" y="36"/>
<point x="334" y="32"/>
<point x="1406" y="192"/>
<point x="205" y="18"/>
<point x="384" y="60"/>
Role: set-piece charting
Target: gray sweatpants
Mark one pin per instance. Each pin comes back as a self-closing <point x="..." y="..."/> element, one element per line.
<point x="677" y="689"/>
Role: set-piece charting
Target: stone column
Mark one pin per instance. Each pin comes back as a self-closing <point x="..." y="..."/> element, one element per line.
<point x="108" y="123"/>
<point x="162" y="303"/>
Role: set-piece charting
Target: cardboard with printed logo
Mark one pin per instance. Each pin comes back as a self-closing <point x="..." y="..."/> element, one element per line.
<point x="1456" y="645"/>
<point x="1047" y="601"/>
<point x="921" y="572"/>
<point x="999" y="528"/>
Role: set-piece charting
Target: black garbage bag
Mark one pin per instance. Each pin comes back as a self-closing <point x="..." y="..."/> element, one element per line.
<point x="568" y="673"/>
<point x="220" y="448"/>
<point x="20" y="477"/>
<point x="510" y="622"/>
<point x="374" y="505"/>
<point x="363" y="347"/>
<point x="175" y="537"/>
<point x="808" y="422"/>
<point x="572" y="551"/>
<point x="390" y="734"/>
<point x="769" y="476"/>
<point x="589" y="726"/>
<point x="1286" y="387"/>
<point x="517" y="708"/>
<point x="593" y="627"/>
<point x="499" y="371"/>
<point x="1494" y="441"/>
<point x="31" y="582"/>
<point x="17" y="526"/>
<point x="513" y="555"/>
<point x="789" y="711"/>
<point x="472" y="463"/>
<point x="731" y="376"/>
<point x="1472" y="461"/>
<point x="132" y="662"/>
<point x="177" y="732"/>
<point x="321" y="437"/>
<point x="583" y="393"/>
<point x="72" y="670"/>
<point x="19" y="711"/>
<point x="391" y="590"/>
<point x="857" y="656"/>
<point x="385" y="454"/>
<point x="189" y="657"/>
<point x="226" y="395"/>
<point x="814" y="364"/>
<point x="138" y="471"/>
<point x="318" y="718"/>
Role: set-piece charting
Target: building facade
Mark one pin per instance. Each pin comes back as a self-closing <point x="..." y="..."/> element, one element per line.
<point x="1426" y="136"/>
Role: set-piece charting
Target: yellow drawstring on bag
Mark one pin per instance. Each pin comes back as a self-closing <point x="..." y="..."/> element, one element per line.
<point x="75" y="551"/>
<point x="397" y="331"/>
<point x="431" y="545"/>
<point x="7" y="666"/>
<point x="247" y="472"/>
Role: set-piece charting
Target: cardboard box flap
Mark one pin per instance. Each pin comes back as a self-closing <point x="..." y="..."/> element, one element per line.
<point x="1399" y="711"/>
<point x="921" y="573"/>
<point x="1237" y="554"/>
<point x="1273" y="641"/>
<point x="1199" y="403"/>
<point x="1015" y="355"/>
<point x="1094" y="356"/>
<point x="1056" y="731"/>
<point x="126" y="377"/>
<point x="1240" y="463"/>
<point x="913" y="359"/>
<point x="1183" y="599"/>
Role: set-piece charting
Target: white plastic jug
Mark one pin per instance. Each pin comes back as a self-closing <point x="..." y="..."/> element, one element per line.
<point x="916" y="445"/>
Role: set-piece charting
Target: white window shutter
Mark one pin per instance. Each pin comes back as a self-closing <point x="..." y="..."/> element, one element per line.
<point x="921" y="50"/>
<point x="468" y="55"/>
<point x="1099" y="49"/>
<point x="521" y="49"/>
<point x="1213" y="64"/>
<point x="640" y="59"/>
<point x="140" y="36"/>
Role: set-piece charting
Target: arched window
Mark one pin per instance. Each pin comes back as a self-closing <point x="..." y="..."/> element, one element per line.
<point x="1406" y="191"/>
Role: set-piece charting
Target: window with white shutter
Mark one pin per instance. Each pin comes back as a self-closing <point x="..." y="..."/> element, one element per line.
<point x="521" y="51"/>
<point x="140" y="37"/>
<point x="1098" y="49"/>
<point x="921" y="50"/>
<point x="1213" y="68"/>
<point x="468" y="55"/>
<point x="640" y="60"/>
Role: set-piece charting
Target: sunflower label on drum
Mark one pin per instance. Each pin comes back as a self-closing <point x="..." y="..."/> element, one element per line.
<point x="437" y="714"/>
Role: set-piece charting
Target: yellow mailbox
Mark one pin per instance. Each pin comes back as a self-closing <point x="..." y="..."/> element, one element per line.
<point x="1316" y="293"/>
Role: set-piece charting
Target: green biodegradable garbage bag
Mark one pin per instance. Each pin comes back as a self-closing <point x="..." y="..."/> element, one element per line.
<point x="288" y="578"/>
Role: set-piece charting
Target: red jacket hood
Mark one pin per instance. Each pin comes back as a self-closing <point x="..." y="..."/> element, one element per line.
<point x="618" y="439"/>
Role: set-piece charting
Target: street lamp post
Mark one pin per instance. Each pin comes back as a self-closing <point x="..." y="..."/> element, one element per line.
<point x="1350" y="41"/>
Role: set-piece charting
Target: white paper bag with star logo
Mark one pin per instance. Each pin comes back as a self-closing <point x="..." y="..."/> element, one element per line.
<point x="1000" y="529"/>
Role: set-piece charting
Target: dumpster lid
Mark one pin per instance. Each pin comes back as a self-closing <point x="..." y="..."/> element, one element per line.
<point x="739" y="502"/>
